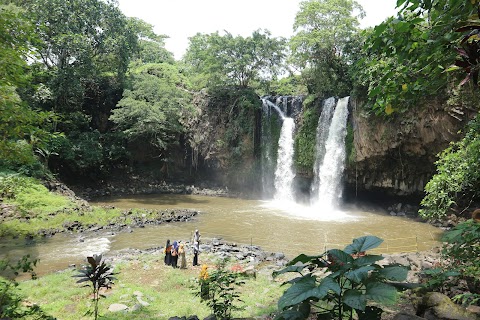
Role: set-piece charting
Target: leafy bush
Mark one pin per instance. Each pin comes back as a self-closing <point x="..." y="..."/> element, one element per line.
<point x="305" y="140"/>
<point x="351" y="280"/>
<point x="11" y="306"/>
<point x="90" y="152"/>
<point x="461" y="252"/>
<point x="457" y="182"/>
<point x="219" y="290"/>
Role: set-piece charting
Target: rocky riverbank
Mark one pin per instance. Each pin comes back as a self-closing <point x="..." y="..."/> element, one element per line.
<point x="413" y="305"/>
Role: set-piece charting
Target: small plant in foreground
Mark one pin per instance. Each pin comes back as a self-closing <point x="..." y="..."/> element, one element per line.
<point x="11" y="306"/>
<point x="351" y="279"/>
<point x="461" y="252"/>
<point x="218" y="289"/>
<point x="100" y="275"/>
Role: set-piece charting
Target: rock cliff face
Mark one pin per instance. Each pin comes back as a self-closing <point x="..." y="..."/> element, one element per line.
<point x="396" y="156"/>
<point x="224" y="137"/>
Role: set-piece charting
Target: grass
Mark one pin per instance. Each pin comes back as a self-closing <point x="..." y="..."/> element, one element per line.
<point x="169" y="292"/>
<point x="35" y="209"/>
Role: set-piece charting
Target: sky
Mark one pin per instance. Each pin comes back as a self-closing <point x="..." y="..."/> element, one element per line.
<point x="181" y="19"/>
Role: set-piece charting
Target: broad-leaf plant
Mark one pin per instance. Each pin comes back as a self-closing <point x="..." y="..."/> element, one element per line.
<point x="340" y="283"/>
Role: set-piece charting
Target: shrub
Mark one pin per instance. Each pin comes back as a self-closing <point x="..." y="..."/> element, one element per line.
<point x="219" y="290"/>
<point x="461" y="252"/>
<point x="351" y="280"/>
<point x="457" y="182"/>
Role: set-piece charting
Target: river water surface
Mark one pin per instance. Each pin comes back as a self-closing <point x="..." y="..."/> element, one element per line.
<point x="274" y="226"/>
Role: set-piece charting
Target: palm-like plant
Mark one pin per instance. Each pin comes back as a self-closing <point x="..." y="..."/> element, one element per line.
<point x="100" y="276"/>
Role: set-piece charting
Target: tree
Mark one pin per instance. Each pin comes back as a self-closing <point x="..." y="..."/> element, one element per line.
<point x="153" y="105"/>
<point x="84" y="53"/>
<point x="322" y="29"/>
<point x="407" y="56"/>
<point x="20" y="127"/>
<point x="227" y="60"/>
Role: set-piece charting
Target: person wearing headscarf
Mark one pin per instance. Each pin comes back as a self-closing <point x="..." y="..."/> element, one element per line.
<point x="174" y="254"/>
<point x="168" y="253"/>
<point x="181" y="254"/>
<point x="196" y="247"/>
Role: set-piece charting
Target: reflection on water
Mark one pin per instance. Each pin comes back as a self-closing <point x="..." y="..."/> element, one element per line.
<point x="289" y="229"/>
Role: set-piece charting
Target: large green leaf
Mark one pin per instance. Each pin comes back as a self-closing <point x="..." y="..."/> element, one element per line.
<point x="298" y="312"/>
<point x="363" y="244"/>
<point x="303" y="258"/>
<point x="367" y="260"/>
<point x="300" y="291"/>
<point x="355" y="299"/>
<point x="360" y="274"/>
<point x="337" y="256"/>
<point x="328" y="284"/>
<point x="394" y="272"/>
<point x="381" y="293"/>
<point x="293" y="268"/>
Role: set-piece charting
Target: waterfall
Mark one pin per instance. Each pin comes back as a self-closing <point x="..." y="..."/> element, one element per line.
<point x="284" y="174"/>
<point x="321" y="137"/>
<point x="331" y="168"/>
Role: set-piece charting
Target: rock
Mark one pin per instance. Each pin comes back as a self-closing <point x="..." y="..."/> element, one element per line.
<point x="192" y="318"/>
<point x="210" y="317"/>
<point x="177" y="318"/>
<point x="437" y="306"/>
<point x="279" y="256"/>
<point x="406" y="316"/>
<point x="137" y="307"/>
<point x="118" y="307"/>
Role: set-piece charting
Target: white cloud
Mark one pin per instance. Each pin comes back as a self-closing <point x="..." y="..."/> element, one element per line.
<point x="181" y="19"/>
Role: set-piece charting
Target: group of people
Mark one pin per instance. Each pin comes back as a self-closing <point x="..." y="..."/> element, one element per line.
<point x="175" y="250"/>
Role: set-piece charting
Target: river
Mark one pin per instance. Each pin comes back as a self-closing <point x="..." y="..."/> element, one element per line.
<point x="274" y="226"/>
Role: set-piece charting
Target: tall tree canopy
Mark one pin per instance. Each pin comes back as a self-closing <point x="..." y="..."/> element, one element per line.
<point x="21" y="129"/>
<point x="322" y="30"/>
<point x="154" y="105"/>
<point x="229" y="60"/>
<point x="407" y="57"/>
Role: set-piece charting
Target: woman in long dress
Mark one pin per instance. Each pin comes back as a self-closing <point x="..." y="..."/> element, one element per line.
<point x="181" y="254"/>
<point x="168" y="253"/>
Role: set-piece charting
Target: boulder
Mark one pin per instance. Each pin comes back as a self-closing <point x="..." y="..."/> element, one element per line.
<point x="437" y="306"/>
<point x="118" y="307"/>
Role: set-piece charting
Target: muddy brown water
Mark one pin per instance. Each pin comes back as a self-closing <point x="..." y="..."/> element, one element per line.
<point x="275" y="227"/>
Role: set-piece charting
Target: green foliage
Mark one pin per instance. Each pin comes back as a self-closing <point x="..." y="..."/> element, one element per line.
<point x="22" y="130"/>
<point x="305" y="140"/>
<point x="219" y="290"/>
<point x="351" y="280"/>
<point x="461" y="252"/>
<point x="100" y="275"/>
<point x="11" y="306"/>
<point x="90" y="152"/>
<point x="286" y="86"/>
<point x="222" y="60"/>
<point x="406" y="57"/>
<point x="322" y="28"/>
<point x="457" y="181"/>
<point x="153" y="107"/>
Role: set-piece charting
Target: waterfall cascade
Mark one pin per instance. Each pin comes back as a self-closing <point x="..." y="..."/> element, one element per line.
<point x="331" y="169"/>
<point x="325" y="190"/>
<point x="284" y="174"/>
<point x="323" y="128"/>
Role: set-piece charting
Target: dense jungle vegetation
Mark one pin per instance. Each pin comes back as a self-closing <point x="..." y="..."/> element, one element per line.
<point x="86" y="92"/>
<point x="84" y="87"/>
